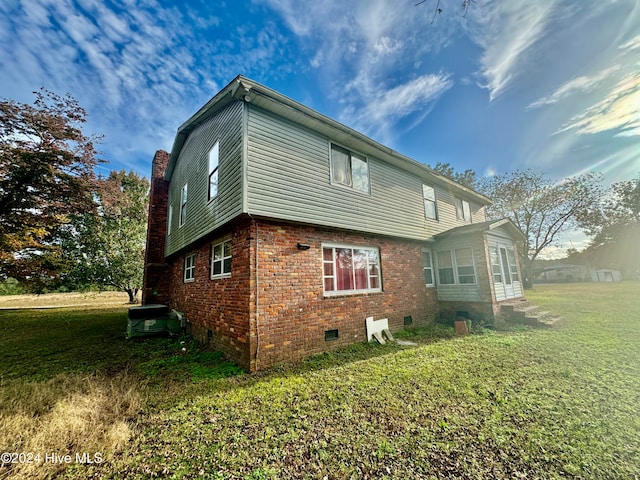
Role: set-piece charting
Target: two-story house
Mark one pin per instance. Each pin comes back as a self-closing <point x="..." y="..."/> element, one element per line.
<point x="277" y="230"/>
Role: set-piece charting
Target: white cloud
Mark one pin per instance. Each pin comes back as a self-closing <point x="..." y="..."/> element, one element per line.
<point x="582" y="84"/>
<point x="507" y="31"/>
<point x="618" y="110"/>
<point x="370" y="52"/>
<point x="384" y="107"/>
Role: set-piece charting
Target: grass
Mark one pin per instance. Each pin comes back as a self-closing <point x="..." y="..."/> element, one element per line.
<point x="527" y="403"/>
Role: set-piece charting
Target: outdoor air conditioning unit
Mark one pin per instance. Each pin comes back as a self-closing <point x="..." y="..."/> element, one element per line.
<point x="153" y="319"/>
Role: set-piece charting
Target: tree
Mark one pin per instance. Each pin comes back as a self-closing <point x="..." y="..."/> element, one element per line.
<point x="542" y="209"/>
<point x="107" y="248"/>
<point x="468" y="178"/>
<point x="615" y="226"/>
<point x="46" y="174"/>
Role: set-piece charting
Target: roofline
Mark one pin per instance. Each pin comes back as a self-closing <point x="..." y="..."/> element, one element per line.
<point x="486" y="226"/>
<point x="247" y="90"/>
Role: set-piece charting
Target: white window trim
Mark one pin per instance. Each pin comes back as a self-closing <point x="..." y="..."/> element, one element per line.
<point x="433" y="270"/>
<point x="454" y="262"/>
<point x="434" y="201"/>
<point x="351" y="188"/>
<point x="223" y="274"/>
<point x="169" y="218"/>
<point x="211" y="171"/>
<point x="184" y="196"/>
<point x="192" y="268"/>
<point x="462" y="213"/>
<point x="340" y="293"/>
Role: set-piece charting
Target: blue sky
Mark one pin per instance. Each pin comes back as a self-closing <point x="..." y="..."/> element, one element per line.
<point x="549" y="84"/>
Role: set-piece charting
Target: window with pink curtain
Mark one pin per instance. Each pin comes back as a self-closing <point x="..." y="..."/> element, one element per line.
<point x="350" y="269"/>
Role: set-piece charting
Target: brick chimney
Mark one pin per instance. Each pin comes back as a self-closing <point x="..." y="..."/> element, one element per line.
<point x="157" y="275"/>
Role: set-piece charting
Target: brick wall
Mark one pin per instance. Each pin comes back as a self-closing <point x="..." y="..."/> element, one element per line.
<point x="156" y="283"/>
<point x="290" y="312"/>
<point x="218" y="310"/>
<point x="293" y="313"/>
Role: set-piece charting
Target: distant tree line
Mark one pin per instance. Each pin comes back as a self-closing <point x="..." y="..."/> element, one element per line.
<point x="61" y="225"/>
<point x="545" y="209"/>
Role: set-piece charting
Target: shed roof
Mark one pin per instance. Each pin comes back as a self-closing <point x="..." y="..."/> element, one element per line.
<point x="487" y="226"/>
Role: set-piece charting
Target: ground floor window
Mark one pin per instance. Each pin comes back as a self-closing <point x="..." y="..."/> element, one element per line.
<point x="504" y="265"/>
<point x="221" y="259"/>
<point x="456" y="267"/>
<point x="190" y="268"/>
<point x="347" y="269"/>
<point x="427" y="267"/>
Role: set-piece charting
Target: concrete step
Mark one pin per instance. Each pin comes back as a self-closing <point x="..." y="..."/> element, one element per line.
<point x="511" y="307"/>
<point x="521" y="311"/>
<point x="551" y="321"/>
<point x="527" y="311"/>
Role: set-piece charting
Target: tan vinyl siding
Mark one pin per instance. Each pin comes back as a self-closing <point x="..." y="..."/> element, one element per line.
<point x="288" y="175"/>
<point x="445" y="200"/>
<point x="203" y="216"/>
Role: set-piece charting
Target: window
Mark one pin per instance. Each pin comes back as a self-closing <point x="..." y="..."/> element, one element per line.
<point x="183" y="204"/>
<point x="169" y="218"/>
<point x="464" y="264"/>
<point x="349" y="169"/>
<point x="350" y="270"/>
<point x="513" y="264"/>
<point x="503" y="260"/>
<point x="213" y="170"/>
<point x="190" y="268"/>
<point x="221" y="259"/>
<point x="445" y="268"/>
<point x="456" y="267"/>
<point x="463" y="210"/>
<point x="428" y="268"/>
<point x="496" y="269"/>
<point x="429" y="196"/>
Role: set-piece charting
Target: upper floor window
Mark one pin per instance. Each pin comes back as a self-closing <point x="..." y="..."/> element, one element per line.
<point x="213" y="170"/>
<point x="429" y="196"/>
<point x="349" y="169"/>
<point x="463" y="210"/>
<point x="183" y="204"/>
<point x="169" y="218"/>
<point x="427" y="266"/>
<point x="190" y="268"/>
<point x="350" y="270"/>
<point x="221" y="259"/>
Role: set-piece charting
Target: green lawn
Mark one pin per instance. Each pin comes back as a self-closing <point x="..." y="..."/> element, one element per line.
<point x="527" y="403"/>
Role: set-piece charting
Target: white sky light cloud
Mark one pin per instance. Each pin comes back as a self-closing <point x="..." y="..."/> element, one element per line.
<point x="582" y="84"/>
<point x="507" y="31"/>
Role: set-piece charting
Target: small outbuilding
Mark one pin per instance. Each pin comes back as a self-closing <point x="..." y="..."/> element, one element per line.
<point x="606" y="275"/>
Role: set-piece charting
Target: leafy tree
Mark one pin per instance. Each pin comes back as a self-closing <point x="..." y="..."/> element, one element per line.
<point x="46" y="174"/>
<point x="614" y="224"/>
<point x="541" y="208"/>
<point x="468" y="178"/>
<point x="107" y="248"/>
